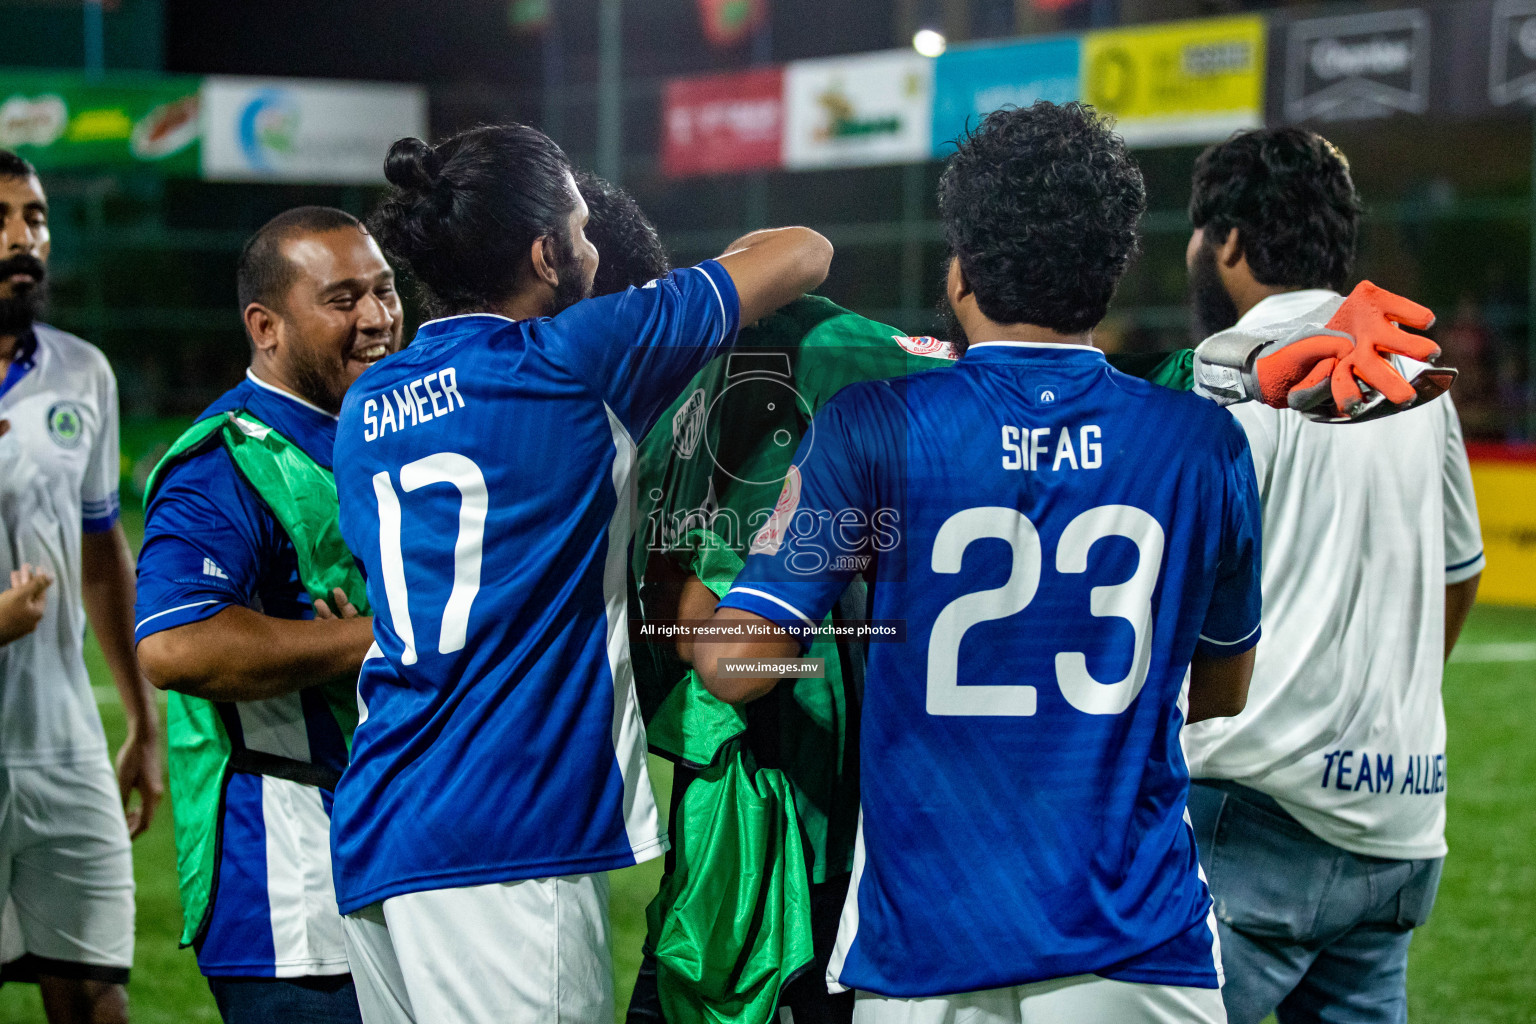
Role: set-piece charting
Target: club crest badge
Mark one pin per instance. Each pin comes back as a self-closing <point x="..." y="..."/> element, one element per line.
<point x="66" y="425"/>
<point x="926" y="346"/>
<point x="771" y="537"/>
<point x="688" y="425"/>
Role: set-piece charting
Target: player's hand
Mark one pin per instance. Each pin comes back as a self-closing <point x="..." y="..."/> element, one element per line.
<point x="138" y="768"/>
<point x="22" y="606"/>
<point x="344" y="607"/>
<point x="1364" y="331"/>
<point x="5" y="427"/>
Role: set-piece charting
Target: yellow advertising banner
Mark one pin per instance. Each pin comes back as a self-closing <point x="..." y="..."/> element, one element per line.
<point x="1178" y="83"/>
<point x="1506" y="507"/>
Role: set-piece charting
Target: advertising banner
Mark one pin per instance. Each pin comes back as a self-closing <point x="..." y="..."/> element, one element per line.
<point x="1448" y="60"/>
<point x="295" y="130"/>
<point x="63" y="121"/>
<point x="1182" y="82"/>
<point x="1358" y="66"/>
<point x="1504" y="478"/>
<point x="969" y="82"/>
<point x="873" y="108"/>
<point x="1512" y="55"/>
<point x="723" y="123"/>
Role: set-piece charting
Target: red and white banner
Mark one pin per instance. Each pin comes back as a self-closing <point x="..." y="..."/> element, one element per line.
<point x="724" y="123"/>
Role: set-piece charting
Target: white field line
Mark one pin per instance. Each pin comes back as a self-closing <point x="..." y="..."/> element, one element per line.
<point x="1481" y="654"/>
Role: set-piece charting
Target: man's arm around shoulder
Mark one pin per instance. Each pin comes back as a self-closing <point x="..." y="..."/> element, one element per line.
<point x="774" y="267"/>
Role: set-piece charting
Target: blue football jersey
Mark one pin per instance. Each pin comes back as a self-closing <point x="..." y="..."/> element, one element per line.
<point x="486" y="485"/>
<point x="211" y="543"/>
<point x="1060" y="540"/>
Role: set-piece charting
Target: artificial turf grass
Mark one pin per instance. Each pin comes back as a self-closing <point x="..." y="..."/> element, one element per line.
<point x="1468" y="965"/>
<point x="1471" y="962"/>
<point x="166" y="987"/>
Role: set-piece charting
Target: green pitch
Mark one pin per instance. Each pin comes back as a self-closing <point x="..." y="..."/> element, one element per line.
<point x="1469" y="964"/>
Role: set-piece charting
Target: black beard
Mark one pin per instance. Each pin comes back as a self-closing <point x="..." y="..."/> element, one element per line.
<point x="26" y="304"/>
<point x="569" y="286"/>
<point x="318" y="387"/>
<point x="948" y="323"/>
<point x="1213" y="309"/>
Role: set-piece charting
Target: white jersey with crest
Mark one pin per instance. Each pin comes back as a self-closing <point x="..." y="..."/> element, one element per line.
<point x="1364" y="526"/>
<point x="59" y="473"/>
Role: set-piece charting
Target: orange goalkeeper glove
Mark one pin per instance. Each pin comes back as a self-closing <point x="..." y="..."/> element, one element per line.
<point x="1317" y="362"/>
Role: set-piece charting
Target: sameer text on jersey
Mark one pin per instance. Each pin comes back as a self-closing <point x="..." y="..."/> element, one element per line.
<point x="412" y="404"/>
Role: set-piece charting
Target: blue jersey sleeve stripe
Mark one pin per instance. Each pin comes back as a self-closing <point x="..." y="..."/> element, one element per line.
<point x="99" y="524"/>
<point x="1465" y="571"/>
<point x="1462" y="565"/>
<point x="750" y="592"/>
<point x="99" y="513"/>
<point x="178" y="608"/>
<point x="1230" y="643"/>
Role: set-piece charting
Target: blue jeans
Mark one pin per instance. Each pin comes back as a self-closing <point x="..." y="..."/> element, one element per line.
<point x="326" y="999"/>
<point x="1311" y="932"/>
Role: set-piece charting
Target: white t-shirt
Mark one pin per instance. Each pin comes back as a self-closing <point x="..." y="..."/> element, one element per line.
<point x="1365" y="525"/>
<point x="58" y="476"/>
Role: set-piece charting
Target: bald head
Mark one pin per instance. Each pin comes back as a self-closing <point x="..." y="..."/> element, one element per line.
<point x="319" y="303"/>
<point x="266" y="272"/>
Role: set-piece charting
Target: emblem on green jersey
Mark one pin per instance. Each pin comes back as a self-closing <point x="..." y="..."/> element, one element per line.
<point x="688" y="425"/>
<point x="66" y="425"/>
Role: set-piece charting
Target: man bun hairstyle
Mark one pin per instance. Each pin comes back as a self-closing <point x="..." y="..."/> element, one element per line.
<point x="1040" y="206"/>
<point x="264" y="273"/>
<point x="412" y="164"/>
<point x="1289" y="194"/>
<point x="462" y="216"/>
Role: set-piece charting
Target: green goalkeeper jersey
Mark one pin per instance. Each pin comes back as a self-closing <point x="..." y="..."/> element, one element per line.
<point x="715" y="462"/>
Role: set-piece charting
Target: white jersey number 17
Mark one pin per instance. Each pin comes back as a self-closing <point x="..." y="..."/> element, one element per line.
<point x="463" y="474"/>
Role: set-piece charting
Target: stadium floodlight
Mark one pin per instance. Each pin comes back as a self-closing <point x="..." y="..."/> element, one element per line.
<point x="929" y="42"/>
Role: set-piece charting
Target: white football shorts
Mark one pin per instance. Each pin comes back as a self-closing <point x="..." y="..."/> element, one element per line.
<point x="534" y="950"/>
<point x="67" y="868"/>
<point x="1083" y="999"/>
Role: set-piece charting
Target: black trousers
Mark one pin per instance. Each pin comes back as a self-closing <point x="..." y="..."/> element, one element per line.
<point x="326" y="999"/>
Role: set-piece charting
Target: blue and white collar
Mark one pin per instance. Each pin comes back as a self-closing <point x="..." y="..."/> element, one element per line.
<point x="251" y="376"/>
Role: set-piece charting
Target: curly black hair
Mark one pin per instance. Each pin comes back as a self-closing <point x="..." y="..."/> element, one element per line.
<point x="629" y="250"/>
<point x="1040" y="205"/>
<point x="463" y="215"/>
<point x="1289" y="194"/>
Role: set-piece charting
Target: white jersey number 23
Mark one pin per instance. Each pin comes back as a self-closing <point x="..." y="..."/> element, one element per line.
<point x="1131" y="600"/>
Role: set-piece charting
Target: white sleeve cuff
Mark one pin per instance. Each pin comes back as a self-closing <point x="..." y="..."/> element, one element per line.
<point x="1465" y="570"/>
